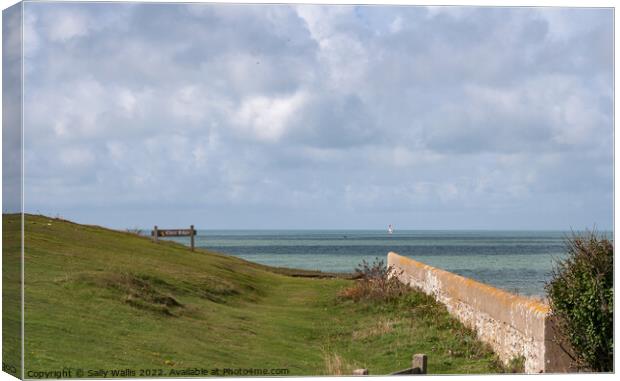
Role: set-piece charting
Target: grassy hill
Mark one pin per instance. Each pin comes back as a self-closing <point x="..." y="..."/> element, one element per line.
<point x="100" y="299"/>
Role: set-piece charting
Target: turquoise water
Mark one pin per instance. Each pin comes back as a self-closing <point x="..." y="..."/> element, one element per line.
<point x="517" y="261"/>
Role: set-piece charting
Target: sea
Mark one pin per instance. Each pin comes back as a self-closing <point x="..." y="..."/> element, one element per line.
<point x="517" y="261"/>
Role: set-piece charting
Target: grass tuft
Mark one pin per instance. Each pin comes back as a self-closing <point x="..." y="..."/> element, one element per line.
<point x="383" y="326"/>
<point x="335" y="365"/>
<point x="515" y="365"/>
<point x="143" y="292"/>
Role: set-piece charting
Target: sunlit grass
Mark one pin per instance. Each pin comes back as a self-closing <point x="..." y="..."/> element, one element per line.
<point x="102" y="299"/>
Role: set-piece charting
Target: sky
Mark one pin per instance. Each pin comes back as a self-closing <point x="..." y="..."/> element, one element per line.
<point x="330" y="117"/>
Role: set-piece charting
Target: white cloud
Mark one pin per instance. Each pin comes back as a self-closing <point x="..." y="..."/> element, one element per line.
<point x="31" y="35"/>
<point x="190" y="103"/>
<point x="396" y="25"/>
<point x="127" y="100"/>
<point x="77" y="157"/>
<point x="70" y="110"/>
<point x="269" y="118"/>
<point x="567" y="23"/>
<point x="321" y="21"/>
<point x="67" y="25"/>
<point x="455" y="12"/>
<point x="342" y="55"/>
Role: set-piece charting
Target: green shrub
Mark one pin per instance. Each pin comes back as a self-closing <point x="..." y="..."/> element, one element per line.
<point x="580" y="295"/>
<point x="374" y="281"/>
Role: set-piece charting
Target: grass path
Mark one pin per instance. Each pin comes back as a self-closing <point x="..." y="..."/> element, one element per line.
<point x="101" y="299"/>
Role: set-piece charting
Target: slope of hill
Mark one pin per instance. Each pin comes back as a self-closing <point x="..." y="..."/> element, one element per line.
<point x="102" y="299"/>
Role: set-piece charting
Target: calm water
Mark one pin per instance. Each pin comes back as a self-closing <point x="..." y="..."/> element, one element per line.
<point x="518" y="261"/>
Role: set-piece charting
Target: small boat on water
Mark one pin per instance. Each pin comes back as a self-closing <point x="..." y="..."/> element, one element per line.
<point x="390" y="229"/>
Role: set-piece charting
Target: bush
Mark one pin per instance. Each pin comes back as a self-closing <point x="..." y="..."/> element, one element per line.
<point x="580" y="295"/>
<point x="374" y="281"/>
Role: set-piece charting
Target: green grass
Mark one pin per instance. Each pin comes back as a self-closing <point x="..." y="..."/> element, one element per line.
<point x="101" y="299"/>
<point x="11" y="295"/>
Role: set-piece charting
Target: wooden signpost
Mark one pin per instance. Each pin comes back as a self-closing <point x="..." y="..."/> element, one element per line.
<point x="191" y="232"/>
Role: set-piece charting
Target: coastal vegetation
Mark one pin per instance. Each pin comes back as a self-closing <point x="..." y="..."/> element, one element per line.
<point x="374" y="281"/>
<point x="581" y="297"/>
<point x="99" y="299"/>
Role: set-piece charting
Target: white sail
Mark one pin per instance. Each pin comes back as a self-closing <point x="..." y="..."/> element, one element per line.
<point x="390" y="229"/>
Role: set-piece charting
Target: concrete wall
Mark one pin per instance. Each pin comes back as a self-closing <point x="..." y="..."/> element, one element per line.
<point x="513" y="325"/>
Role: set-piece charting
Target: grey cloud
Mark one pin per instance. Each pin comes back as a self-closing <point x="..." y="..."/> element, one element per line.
<point x="329" y="121"/>
<point x="366" y="114"/>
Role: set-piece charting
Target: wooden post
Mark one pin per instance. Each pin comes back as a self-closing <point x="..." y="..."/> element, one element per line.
<point x="155" y="233"/>
<point x="419" y="361"/>
<point x="192" y="233"/>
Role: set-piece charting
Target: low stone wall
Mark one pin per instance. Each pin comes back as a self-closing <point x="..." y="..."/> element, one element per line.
<point x="512" y="325"/>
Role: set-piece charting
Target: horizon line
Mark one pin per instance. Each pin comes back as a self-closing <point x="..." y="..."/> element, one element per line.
<point x="593" y="227"/>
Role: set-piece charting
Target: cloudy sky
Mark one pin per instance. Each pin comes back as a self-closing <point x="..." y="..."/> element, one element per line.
<point x="275" y="116"/>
